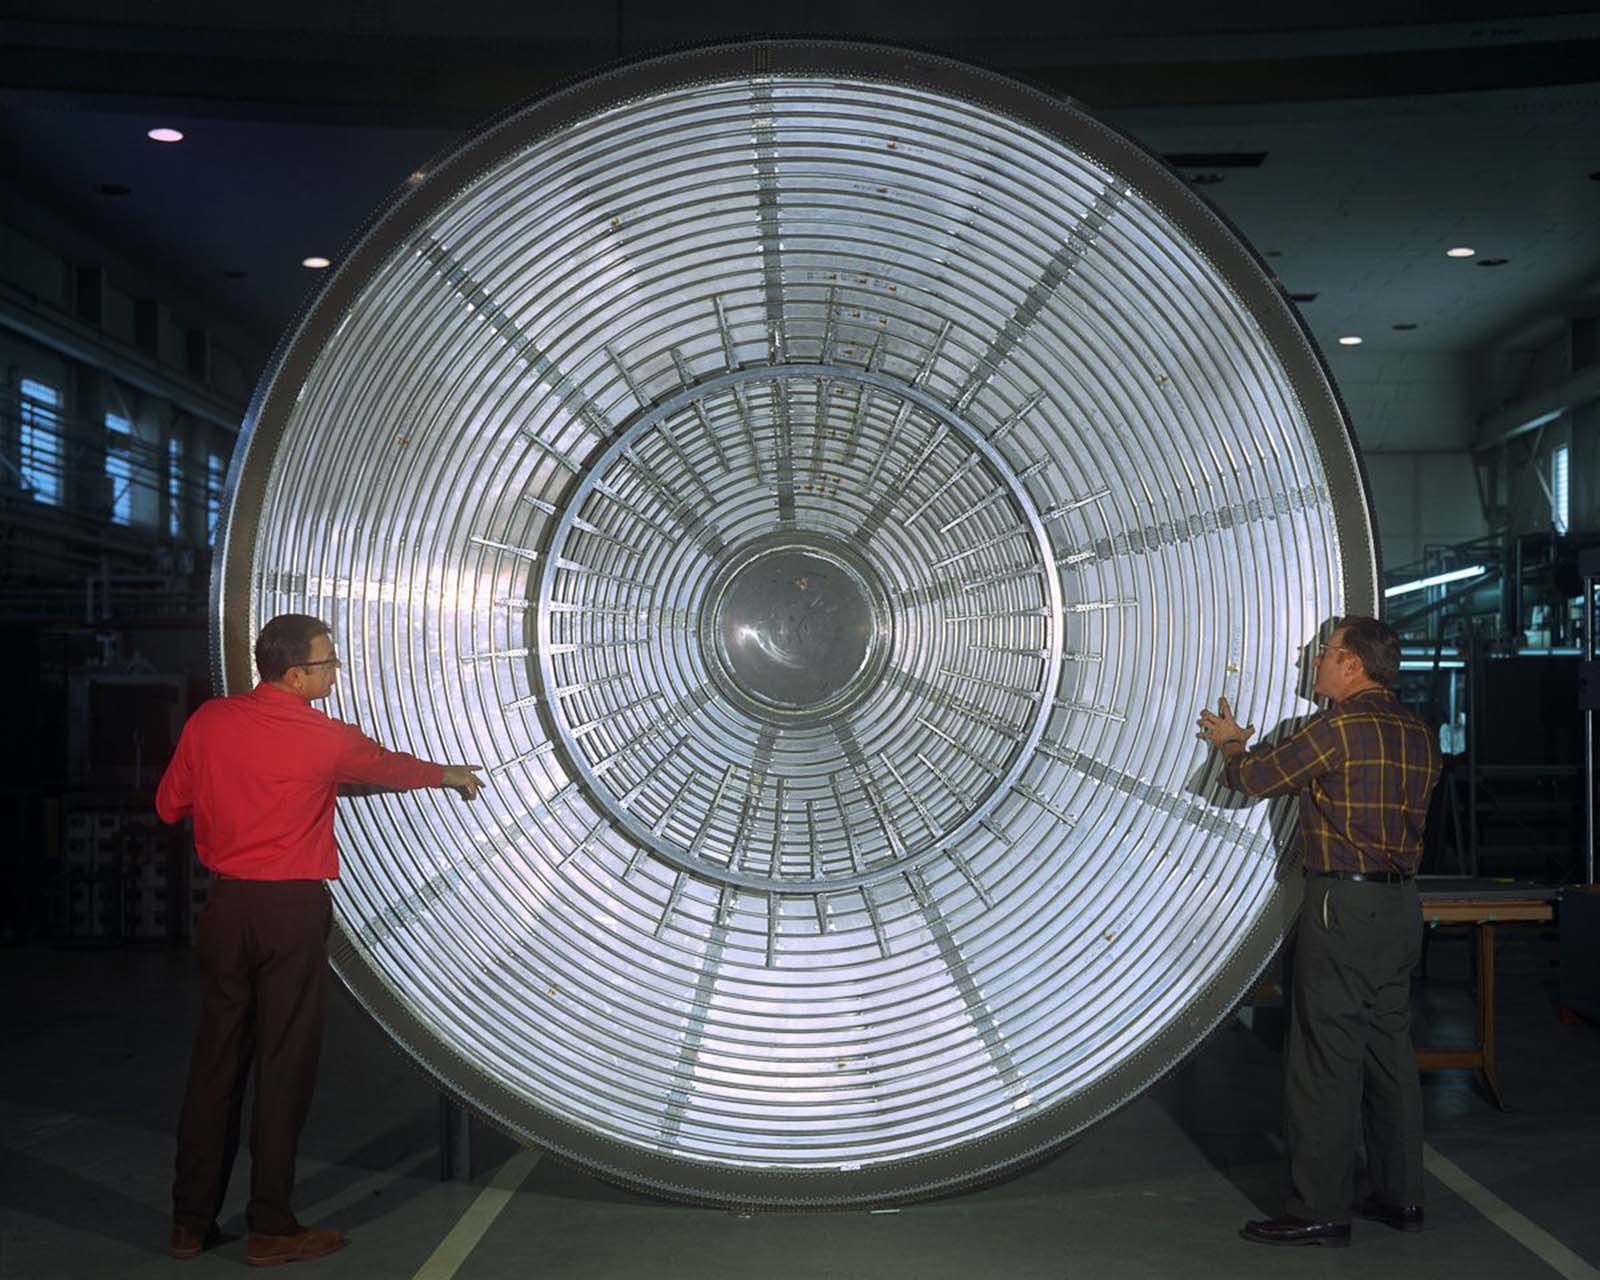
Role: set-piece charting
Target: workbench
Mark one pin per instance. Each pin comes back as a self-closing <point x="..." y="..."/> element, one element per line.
<point x="1483" y="904"/>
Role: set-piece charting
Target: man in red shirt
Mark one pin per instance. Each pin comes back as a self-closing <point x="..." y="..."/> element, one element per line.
<point x="259" y="772"/>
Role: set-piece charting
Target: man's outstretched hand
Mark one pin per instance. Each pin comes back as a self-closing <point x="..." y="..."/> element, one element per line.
<point x="1221" y="730"/>
<point x="463" y="778"/>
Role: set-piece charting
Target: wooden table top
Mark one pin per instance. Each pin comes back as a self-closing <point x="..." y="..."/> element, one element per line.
<point x="1496" y="910"/>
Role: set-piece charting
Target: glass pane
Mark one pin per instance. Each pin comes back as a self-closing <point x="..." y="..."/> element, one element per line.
<point x="39" y="440"/>
<point x="174" y="487"/>
<point x="119" y="467"/>
<point x="216" y="474"/>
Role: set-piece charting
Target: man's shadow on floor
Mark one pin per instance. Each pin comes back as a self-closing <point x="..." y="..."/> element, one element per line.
<point x="1227" y="1098"/>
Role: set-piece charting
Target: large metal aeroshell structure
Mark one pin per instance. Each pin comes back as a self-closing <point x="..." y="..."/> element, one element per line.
<point x="820" y="483"/>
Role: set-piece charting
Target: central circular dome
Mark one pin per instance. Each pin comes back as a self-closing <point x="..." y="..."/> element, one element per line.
<point x="796" y="626"/>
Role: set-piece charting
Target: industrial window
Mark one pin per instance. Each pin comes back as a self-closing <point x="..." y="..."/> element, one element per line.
<point x="39" y="440"/>
<point x="174" y="486"/>
<point x="119" y="467"/>
<point x="1558" y="489"/>
<point x="216" y="474"/>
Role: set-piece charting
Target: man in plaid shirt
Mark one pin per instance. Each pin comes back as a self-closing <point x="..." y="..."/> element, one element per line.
<point x="1364" y="770"/>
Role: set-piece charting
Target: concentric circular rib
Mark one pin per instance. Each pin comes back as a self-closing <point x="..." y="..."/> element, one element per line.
<point x="819" y="483"/>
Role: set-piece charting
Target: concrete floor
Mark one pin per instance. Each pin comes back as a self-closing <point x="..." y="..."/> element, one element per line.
<point x="95" y="1045"/>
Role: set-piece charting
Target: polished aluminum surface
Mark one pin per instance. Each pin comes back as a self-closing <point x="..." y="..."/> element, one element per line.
<point x="819" y="483"/>
<point x="795" y="627"/>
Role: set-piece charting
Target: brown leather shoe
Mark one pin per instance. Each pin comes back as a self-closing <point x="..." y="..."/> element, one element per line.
<point x="1292" y="1230"/>
<point x="1402" y="1217"/>
<point x="186" y="1244"/>
<point x="302" y="1246"/>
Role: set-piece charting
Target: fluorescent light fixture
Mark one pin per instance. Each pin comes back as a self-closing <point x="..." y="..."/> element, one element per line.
<point x="1560" y="506"/>
<point x="1460" y="251"/>
<point x="1438" y="580"/>
<point x="165" y="135"/>
<point x="1444" y="664"/>
<point x="1540" y="421"/>
<point x="315" y="263"/>
<point x="1349" y="340"/>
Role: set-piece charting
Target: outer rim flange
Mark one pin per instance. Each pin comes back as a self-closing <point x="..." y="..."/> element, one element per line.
<point x="1239" y="268"/>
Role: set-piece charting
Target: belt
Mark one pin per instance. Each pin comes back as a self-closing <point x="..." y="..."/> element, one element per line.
<point x="1373" y="877"/>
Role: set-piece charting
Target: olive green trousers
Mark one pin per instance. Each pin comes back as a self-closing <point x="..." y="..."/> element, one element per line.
<point x="1351" y="1068"/>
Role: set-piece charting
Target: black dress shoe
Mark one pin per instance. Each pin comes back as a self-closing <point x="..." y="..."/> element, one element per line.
<point x="1402" y="1217"/>
<point x="1292" y="1230"/>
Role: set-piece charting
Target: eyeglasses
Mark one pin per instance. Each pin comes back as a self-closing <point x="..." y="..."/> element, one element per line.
<point x="321" y="662"/>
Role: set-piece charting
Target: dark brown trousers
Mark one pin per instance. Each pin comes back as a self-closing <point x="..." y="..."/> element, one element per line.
<point x="263" y="948"/>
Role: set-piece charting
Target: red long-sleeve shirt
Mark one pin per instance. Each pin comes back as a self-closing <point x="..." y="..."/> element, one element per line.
<point x="260" y="770"/>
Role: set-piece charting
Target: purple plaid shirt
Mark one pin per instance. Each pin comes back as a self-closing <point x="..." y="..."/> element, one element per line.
<point x="1364" y="770"/>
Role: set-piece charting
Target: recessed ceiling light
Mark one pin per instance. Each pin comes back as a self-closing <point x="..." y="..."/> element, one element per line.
<point x="1492" y="262"/>
<point x="1403" y="328"/>
<point x="316" y="264"/>
<point x="165" y="135"/>
<point x="112" y="189"/>
<point x="1459" y="252"/>
<point x="1349" y="340"/>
